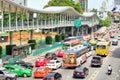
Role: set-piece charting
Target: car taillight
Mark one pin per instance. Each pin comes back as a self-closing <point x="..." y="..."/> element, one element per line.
<point x="74" y="72"/>
<point x="51" y="78"/>
<point x="82" y="73"/>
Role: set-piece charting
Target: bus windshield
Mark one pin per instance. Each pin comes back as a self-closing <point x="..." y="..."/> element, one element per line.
<point x="101" y="46"/>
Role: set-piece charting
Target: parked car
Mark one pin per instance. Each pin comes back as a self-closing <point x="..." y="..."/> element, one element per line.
<point x="60" y="53"/>
<point x="19" y="70"/>
<point x="115" y="42"/>
<point x="54" y="64"/>
<point x="5" y="75"/>
<point x="50" y="56"/>
<point x="80" y="72"/>
<point x="41" y="72"/>
<point x="96" y="61"/>
<point x="41" y="62"/>
<point x="53" y="76"/>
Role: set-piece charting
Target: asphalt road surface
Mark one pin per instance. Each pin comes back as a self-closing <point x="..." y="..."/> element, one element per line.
<point x="95" y="73"/>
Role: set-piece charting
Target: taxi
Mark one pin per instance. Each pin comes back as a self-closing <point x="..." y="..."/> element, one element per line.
<point x="41" y="72"/>
<point x="60" y="53"/>
<point x="41" y="62"/>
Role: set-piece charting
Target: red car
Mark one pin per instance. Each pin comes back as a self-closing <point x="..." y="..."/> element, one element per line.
<point x="60" y="53"/>
<point x="41" y="62"/>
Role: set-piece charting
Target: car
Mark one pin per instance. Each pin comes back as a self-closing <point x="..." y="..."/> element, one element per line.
<point x="41" y="62"/>
<point x="53" y="76"/>
<point x="60" y="53"/>
<point x="54" y="64"/>
<point x="80" y="72"/>
<point x="96" y="61"/>
<point x="22" y="63"/>
<point x="19" y="70"/>
<point x="41" y="72"/>
<point x="118" y="37"/>
<point x="115" y="42"/>
<point x="5" y="75"/>
<point x="50" y="56"/>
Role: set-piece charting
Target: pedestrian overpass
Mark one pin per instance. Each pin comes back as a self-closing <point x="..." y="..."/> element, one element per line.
<point x="15" y="17"/>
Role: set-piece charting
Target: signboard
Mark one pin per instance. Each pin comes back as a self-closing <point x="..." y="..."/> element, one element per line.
<point x="77" y="23"/>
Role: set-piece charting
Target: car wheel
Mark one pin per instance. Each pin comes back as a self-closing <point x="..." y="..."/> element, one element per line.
<point x="24" y="75"/>
<point x="8" y="79"/>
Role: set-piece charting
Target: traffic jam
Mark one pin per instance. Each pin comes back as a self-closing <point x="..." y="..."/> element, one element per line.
<point x="74" y="52"/>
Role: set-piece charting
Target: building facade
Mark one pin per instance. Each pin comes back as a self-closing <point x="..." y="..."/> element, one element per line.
<point x="21" y="2"/>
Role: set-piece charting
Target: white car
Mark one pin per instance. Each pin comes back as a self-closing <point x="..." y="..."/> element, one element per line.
<point x="54" y="64"/>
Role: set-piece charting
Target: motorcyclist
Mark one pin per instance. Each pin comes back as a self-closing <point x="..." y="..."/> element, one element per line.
<point x="109" y="69"/>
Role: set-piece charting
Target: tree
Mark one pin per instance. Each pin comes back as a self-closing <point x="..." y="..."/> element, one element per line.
<point x="105" y="22"/>
<point x="64" y="3"/>
<point x="94" y="10"/>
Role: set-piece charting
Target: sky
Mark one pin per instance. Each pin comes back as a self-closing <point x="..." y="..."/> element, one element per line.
<point x="39" y="4"/>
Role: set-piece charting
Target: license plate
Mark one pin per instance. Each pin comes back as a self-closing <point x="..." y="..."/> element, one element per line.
<point x="77" y="73"/>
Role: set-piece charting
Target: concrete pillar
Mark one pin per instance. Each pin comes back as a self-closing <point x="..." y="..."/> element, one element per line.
<point x="57" y="30"/>
<point x="22" y="18"/>
<point x="28" y="22"/>
<point x="31" y="34"/>
<point x="9" y="16"/>
<point x="16" y="22"/>
<point x="72" y="30"/>
<point x="11" y="33"/>
<point x="2" y="13"/>
<point x="20" y="38"/>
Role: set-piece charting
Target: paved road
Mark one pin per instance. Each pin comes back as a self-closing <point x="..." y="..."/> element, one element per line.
<point x="95" y="73"/>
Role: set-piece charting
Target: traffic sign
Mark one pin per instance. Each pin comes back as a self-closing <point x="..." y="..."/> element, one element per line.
<point x="77" y="23"/>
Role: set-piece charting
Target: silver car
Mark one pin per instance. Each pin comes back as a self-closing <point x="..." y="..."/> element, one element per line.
<point x="5" y="75"/>
<point x="115" y="42"/>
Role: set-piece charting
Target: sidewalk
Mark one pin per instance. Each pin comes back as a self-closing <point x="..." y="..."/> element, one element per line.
<point x="30" y="58"/>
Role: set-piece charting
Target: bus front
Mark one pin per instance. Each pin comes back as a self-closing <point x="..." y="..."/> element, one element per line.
<point x="69" y="60"/>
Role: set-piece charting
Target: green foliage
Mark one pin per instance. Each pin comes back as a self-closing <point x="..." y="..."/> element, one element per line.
<point x="33" y="44"/>
<point x="105" y="22"/>
<point x="94" y="10"/>
<point x="57" y="38"/>
<point x="64" y="3"/>
<point x="0" y="51"/>
<point x="48" y="40"/>
<point x="9" y="49"/>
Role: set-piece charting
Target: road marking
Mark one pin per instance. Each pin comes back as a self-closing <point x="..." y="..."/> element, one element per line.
<point x="96" y="72"/>
<point x="94" y="75"/>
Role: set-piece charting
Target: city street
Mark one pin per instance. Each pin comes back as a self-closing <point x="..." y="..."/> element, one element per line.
<point x="95" y="73"/>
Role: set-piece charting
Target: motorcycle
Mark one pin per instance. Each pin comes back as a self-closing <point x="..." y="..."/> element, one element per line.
<point x="109" y="72"/>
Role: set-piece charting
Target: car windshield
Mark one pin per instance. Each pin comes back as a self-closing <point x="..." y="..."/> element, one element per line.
<point x="40" y="69"/>
<point x="51" y="62"/>
<point x="79" y="69"/>
<point x="97" y="58"/>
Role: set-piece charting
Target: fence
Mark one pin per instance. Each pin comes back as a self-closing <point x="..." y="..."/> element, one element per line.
<point x="36" y="52"/>
<point x="39" y="51"/>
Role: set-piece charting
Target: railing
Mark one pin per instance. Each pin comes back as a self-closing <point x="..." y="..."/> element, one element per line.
<point x="36" y="52"/>
<point x="39" y="51"/>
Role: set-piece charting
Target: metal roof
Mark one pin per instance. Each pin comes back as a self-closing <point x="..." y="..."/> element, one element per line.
<point x="52" y="10"/>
